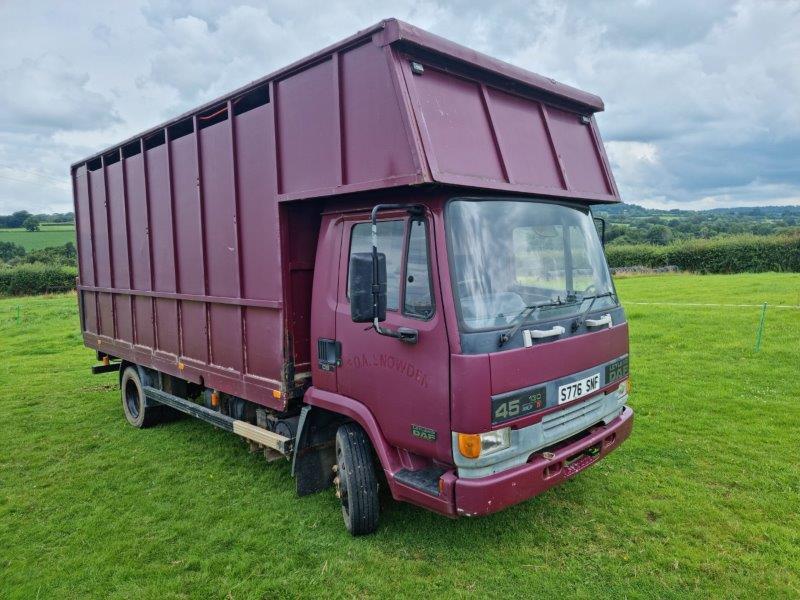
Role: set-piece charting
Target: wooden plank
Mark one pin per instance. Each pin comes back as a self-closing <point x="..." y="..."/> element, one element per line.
<point x="261" y="436"/>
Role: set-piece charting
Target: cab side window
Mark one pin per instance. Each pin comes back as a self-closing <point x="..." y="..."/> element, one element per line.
<point x="391" y="235"/>
<point x="412" y="280"/>
<point x="418" y="301"/>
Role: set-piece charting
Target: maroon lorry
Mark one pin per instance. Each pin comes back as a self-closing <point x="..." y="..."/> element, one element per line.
<point x="380" y="262"/>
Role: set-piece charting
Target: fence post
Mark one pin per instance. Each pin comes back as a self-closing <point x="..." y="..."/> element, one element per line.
<point x="761" y="327"/>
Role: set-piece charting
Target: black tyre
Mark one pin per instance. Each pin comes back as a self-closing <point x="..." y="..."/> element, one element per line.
<point x="356" y="484"/>
<point x="134" y="405"/>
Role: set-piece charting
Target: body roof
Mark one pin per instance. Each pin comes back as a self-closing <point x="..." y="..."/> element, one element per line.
<point x="393" y="31"/>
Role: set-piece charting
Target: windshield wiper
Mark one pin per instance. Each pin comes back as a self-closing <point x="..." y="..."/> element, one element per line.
<point x="524" y="314"/>
<point x="579" y="321"/>
<point x="571" y="298"/>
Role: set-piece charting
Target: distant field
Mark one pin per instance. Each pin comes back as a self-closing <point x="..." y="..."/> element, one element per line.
<point x="57" y="226"/>
<point x="701" y="501"/>
<point x="50" y="235"/>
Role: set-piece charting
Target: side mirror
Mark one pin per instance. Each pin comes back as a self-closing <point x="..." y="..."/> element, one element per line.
<point x="602" y="222"/>
<point x="364" y="304"/>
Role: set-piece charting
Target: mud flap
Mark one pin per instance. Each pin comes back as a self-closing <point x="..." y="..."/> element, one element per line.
<point x="314" y="451"/>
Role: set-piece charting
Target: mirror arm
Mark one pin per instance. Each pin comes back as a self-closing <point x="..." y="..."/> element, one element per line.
<point x="602" y="230"/>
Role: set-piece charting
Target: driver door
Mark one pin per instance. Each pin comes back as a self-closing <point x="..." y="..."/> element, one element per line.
<point x="405" y="386"/>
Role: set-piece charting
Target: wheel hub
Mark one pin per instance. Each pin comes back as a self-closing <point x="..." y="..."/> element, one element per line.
<point x="339" y="482"/>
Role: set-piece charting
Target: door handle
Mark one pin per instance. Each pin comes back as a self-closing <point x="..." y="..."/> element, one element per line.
<point x="408" y="335"/>
<point x="604" y="320"/>
<point x="546" y="333"/>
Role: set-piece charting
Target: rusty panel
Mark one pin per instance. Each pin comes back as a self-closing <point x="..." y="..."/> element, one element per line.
<point x="376" y="145"/>
<point x="300" y="230"/>
<point x="158" y="188"/>
<point x="523" y="140"/>
<point x="308" y="136"/>
<point x="579" y="155"/>
<point x="219" y="207"/>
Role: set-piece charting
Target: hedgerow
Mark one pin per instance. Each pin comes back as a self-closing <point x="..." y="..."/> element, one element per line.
<point x="29" y="280"/>
<point x="735" y="254"/>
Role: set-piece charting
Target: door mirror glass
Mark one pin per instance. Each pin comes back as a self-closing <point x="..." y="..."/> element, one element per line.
<point x="362" y="299"/>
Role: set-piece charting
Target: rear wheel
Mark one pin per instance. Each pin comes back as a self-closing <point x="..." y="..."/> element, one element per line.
<point x="356" y="484"/>
<point x="134" y="404"/>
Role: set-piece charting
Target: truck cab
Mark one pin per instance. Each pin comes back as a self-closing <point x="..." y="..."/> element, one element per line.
<point x="511" y="373"/>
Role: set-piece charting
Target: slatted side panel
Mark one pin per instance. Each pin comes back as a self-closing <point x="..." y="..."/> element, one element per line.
<point x="189" y="247"/>
<point x="180" y="231"/>
<point x="118" y="247"/>
<point x="163" y="246"/>
<point x="140" y="256"/>
<point x="221" y="244"/>
<point x="97" y="192"/>
<point x="256" y="179"/>
<point x="86" y="274"/>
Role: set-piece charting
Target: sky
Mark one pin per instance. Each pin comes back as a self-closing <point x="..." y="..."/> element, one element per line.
<point x="702" y="98"/>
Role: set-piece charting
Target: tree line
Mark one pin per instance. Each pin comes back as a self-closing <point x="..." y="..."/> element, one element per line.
<point x="630" y="224"/>
<point x="24" y="219"/>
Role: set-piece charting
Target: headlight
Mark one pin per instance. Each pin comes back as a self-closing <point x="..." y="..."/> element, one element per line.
<point x="473" y="445"/>
<point x="625" y="387"/>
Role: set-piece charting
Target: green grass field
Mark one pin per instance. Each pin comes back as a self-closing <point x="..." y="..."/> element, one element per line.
<point x="47" y="236"/>
<point x="701" y="501"/>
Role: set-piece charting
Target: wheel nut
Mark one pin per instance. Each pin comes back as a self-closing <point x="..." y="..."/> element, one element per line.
<point x="335" y="481"/>
<point x="335" y="468"/>
<point x="338" y="495"/>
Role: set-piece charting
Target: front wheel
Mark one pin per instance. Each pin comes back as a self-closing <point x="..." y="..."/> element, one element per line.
<point x="356" y="483"/>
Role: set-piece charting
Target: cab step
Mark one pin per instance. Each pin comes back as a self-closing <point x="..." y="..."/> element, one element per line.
<point x="425" y="480"/>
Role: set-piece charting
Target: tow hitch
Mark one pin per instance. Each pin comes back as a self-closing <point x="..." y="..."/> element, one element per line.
<point x="578" y="462"/>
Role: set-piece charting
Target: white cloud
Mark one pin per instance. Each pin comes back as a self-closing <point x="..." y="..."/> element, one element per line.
<point x="46" y="94"/>
<point x="700" y="97"/>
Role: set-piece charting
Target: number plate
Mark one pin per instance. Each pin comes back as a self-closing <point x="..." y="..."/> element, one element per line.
<point x="578" y="389"/>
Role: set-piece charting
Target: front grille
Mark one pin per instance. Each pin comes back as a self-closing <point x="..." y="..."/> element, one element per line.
<point x="573" y="418"/>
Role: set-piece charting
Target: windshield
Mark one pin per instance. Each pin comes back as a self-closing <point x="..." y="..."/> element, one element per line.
<point x="512" y="257"/>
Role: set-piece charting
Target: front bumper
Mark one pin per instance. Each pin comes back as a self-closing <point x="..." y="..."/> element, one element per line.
<point x="485" y="495"/>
